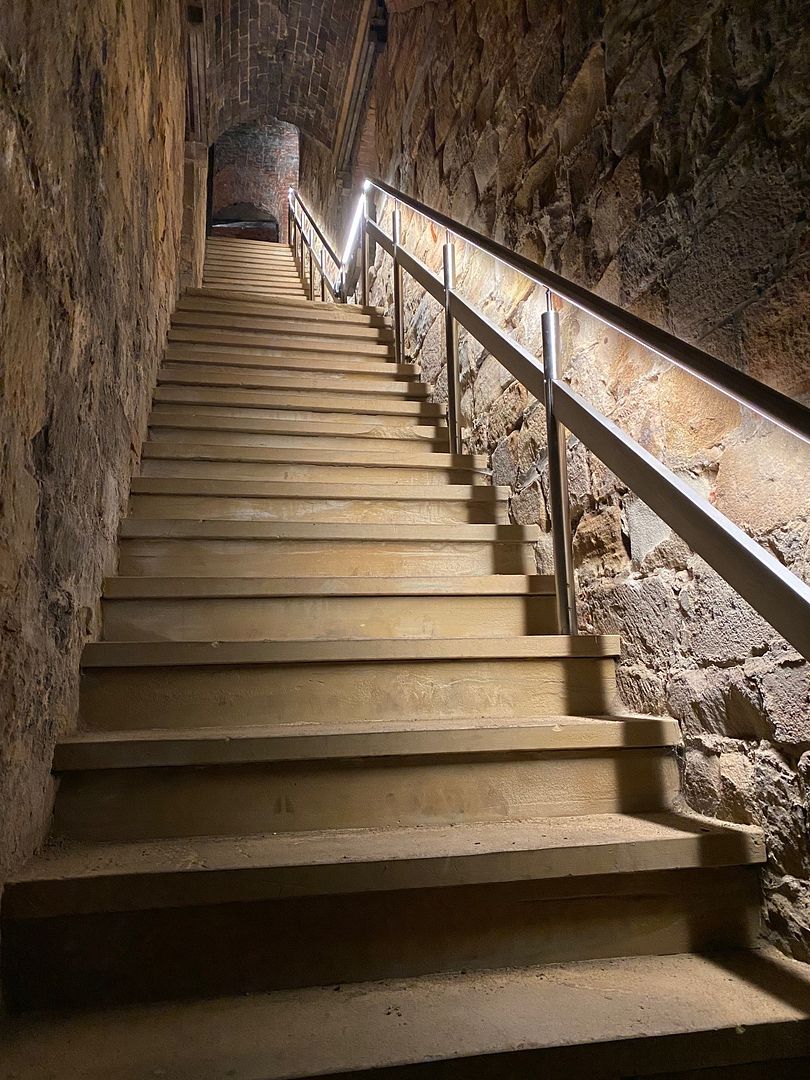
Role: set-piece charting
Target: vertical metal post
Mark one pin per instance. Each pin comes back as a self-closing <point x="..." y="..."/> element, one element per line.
<point x="301" y="247"/>
<point x="364" y="251"/>
<point x="399" y="328"/>
<point x="289" y="224"/>
<point x="311" y="274"/>
<point x="558" y="481"/>
<point x="451" y="351"/>
<point x="323" y="279"/>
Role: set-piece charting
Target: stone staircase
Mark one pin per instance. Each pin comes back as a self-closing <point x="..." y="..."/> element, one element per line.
<point x="331" y="741"/>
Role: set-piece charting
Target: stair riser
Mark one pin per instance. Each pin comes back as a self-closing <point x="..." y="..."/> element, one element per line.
<point x="365" y="373"/>
<point x="259" y="276"/>
<point x="269" y="324"/>
<point x="397" y="441"/>
<point x="364" y="407"/>
<point x="337" y="314"/>
<point x="282" y="353"/>
<point x="304" y="473"/>
<point x="321" y="558"/>
<point x="117" y="699"/>
<point x="235" y="800"/>
<point x="195" y="375"/>
<point x="327" y="618"/>
<point x="274" y="341"/>
<point x="295" y="421"/>
<point x="409" y="512"/>
<point x="232" y="948"/>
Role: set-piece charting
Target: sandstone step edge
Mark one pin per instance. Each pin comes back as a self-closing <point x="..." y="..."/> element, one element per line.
<point x="186" y="529"/>
<point x="129" y="875"/>
<point x="171" y="588"/>
<point x="320" y="305"/>
<point x="419" y="459"/>
<point x="117" y="654"/>
<point x="480" y="494"/>
<point x="685" y="1010"/>
<point x="317" y="742"/>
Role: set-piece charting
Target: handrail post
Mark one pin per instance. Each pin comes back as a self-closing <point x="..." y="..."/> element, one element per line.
<point x="559" y="507"/>
<point x="364" y="249"/>
<point x="301" y="247"/>
<point x="451" y="350"/>
<point x="311" y="273"/>
<point x="399" y="328"/>
<point x="323" y="280"/>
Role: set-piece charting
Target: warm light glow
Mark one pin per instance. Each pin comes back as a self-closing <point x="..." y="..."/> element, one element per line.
<point x="352" y="237"/>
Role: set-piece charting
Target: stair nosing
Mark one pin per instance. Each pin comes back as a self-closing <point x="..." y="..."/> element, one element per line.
<point x="157" y="748"/>
<point x="105" y="655"/>
<point x="208" y="869"/>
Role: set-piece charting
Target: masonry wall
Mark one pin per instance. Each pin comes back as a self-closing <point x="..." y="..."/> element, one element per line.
<point x="257" y="165"/>
<point x="657" y="154"/>
<point x="91" y="129"/>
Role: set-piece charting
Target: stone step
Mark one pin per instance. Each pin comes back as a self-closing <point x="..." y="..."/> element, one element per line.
<point x="296" y="780"/>
<point x="268" y="287"/>
<point x="178" y="917"/>
<point x="200" y="683"/>
<point x="292" y="342"/>
<point x="302" y="418"/>
<point x="325" y="314"/>
<point x="378" y="454"/>
<point x="337" y="364"/>
<point x="257" y="500"/>
<point x="313" y="308"/>
<point x="258" y="463"/>
<point x="713" y="1017"/>
<point x="209" y="429"/>
<point x="295" y="609"/>
<point x="172" y="548"/>
<point x="334" y="330"/>
<point x="251" y="269"/>
<point x="302" y="404"/>
<point x="216" y="375"/>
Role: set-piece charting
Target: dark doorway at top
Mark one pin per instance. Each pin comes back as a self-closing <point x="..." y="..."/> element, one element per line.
<point x="246" y="221"/>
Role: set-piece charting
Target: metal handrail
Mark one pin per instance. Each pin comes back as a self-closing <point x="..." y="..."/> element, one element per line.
<point x="757" y="396"/>
<point x="774" y="591"/>
<point x="301" y="238"/>
<point x="330" y="251"/>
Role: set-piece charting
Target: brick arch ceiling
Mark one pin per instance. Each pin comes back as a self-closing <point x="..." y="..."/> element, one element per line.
<point x="280" y="60"/>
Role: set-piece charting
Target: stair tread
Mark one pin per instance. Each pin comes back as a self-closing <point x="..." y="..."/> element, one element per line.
<point x="300" y="742"/>
<point x="671" y="839"/>
<point x="306" y="304"/>
<point x="287" y="489"/>
<point x="101" y="654"/>
<point x="419" y="458"/>
<point x="121" y="587"/>
<point x="163" y="528"/>
<point x="621" y="1010"/>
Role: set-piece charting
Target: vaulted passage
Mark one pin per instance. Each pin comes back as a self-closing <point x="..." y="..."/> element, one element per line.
<point x="324" y="752"/>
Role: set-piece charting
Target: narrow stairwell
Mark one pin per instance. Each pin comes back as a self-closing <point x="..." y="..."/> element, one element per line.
<point x="331" y="736"/>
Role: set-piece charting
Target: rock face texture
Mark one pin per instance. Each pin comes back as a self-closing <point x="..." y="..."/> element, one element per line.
<point x="91" y="130"/>
<point x="655" y="153"/>
<point x="256" y="166"/>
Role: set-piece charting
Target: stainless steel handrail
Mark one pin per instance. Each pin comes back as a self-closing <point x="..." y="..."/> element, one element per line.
<point x="301" y="238"/>
<point x="330" y="251"/>
<point x="755" y="395"/>
<point x="771" y="589"/>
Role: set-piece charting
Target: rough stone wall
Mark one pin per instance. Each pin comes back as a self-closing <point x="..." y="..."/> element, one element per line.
<point x="257" y="165"/>
<point x="655" y="152"/>
<point x="91" y="131"/>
